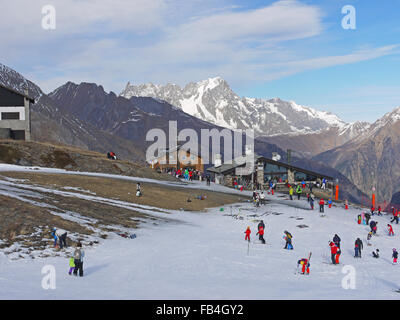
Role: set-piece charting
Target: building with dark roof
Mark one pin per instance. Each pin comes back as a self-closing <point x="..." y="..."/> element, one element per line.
<point x="262" y="172"/>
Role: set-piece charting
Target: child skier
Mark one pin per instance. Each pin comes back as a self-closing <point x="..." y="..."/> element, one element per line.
<point x="312" y="201"/>
<point x="305" y="266"/>
<point x="395" y="255"/>
<point x="71" y="265"/>
<point x="375" y="254"/>
<point x="336" y="240"/>
<point x="330" y="203"/>
<point x="247" y="232"/>
<point x="390" y="230"/>
<point x="359" y="219"/>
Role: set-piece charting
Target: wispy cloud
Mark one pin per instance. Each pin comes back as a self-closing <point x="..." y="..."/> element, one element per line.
<point x="113" y="41"/>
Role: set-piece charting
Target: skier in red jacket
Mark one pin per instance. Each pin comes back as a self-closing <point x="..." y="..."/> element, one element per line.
<point x="260" y="233"/>
<point x="335" y="253"/>
<point x="390" y="230"/>
<point x="321" y="205"/>
<point x="247" y="232"/>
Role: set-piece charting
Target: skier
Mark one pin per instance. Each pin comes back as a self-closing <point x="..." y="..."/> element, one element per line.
<point x="312" y="201"/>
<point x="359" y="219"/>
<point x="261" y="235"/>
<point x="379" y="211"/>
<point x="291" y="193"/>
<point x="305" y="266"/>
<point x="369" y="236"/>
<point x="358" y="246"/>
<point x="395" y="255"/>
<point x="321" y="205"/>
<point x="372" y="210"/>
<point x="261" y="225"/>
<point x="335" y="253"/>
<point x="288" y="238"/>
<point x="336" y="240"/>
<point x="330" y="203"/>
<point x="367" y="216"/>
<point x="298" y="191"/>
<point x="373" y="226"/>
<point x="247" y="232"/>
<point x="390" y="230"/>
<point x="346" y="205"/>
<point x="375" y="254"/>
<point x="262" y="197"/>
<point x="395" y="216"/>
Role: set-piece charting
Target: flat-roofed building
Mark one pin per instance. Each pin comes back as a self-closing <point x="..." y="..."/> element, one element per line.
<point x="14" y="114"/>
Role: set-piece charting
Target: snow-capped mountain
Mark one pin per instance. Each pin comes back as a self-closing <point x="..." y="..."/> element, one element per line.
<point x="213" y="100"/>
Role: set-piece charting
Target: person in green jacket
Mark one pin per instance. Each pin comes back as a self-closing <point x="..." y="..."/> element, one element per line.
<point x="298" y="191"/>
<point x="71" y="265"/>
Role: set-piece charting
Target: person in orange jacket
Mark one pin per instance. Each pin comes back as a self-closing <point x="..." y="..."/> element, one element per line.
<point x="321" y="205"/>
<point x="247" y="232"/>
<point x="305" y="266"/>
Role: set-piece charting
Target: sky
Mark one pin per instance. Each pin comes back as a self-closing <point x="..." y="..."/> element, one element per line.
<point x="296" y="50"/>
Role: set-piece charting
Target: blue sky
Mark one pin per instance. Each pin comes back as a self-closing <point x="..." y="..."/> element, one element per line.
<point x="293" y="49"/>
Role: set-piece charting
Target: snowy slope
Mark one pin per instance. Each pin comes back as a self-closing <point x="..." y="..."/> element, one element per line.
<point x="204" y="256"/>
<point x="213" y="100"/>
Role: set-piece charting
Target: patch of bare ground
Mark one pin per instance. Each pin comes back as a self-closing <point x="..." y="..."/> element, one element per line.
<point x="160" y="196"/>
<point x="30" y="225"/>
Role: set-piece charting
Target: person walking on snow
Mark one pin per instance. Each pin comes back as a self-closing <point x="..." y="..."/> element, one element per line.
<point x="291" y="193"/>
<point x="358" y="246"/>
<point x="71" y="265"/>
<point x="390" y="230"/>
<point x="288" y="238"/>
<point x="395" y="216"/>
<point x="367" y="216"/>
<point x="298" y="191"/>
<point x="395" y="255"/>
<point x="369" y="236"/>
<point x="321" y="205"/>
<point x="305" y="269"/>
<point x="78" y="259"/>
<point x="247" y="232"/>
<point x="374" y="227"/>
<point x="312" y="201"/>
<point x="323" y="183"/>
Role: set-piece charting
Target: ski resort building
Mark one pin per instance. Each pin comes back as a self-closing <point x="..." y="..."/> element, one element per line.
<point x="265" y="170"/>
<point x="14" y="114"/>
<point x="176" y="159"/>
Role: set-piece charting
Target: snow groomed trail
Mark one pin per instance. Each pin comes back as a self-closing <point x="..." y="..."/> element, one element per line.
<point x="206" y="258"/>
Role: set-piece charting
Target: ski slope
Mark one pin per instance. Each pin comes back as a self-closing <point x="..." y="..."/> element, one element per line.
<point x="204" y="256"/>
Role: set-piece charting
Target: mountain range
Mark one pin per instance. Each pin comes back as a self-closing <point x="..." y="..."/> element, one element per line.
<point x="87" y="116"/>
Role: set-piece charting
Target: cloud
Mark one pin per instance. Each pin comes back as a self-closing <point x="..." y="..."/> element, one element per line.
<point x="112" y="41"/>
